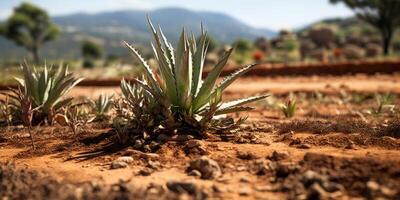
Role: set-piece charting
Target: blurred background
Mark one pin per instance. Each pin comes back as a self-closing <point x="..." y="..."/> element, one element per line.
<point x="88" y="35"/>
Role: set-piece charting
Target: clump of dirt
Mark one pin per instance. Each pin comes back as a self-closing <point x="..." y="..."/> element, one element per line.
<point x="320" y="176"/>
<point x="391" y="129"/>
<point x="18" y="183"/>
<point x="319" y="126"/>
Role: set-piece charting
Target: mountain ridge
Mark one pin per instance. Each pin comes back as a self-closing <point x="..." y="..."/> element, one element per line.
<point x="112" y="27"/>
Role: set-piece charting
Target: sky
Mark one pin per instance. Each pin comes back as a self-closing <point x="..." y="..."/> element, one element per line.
<point x="271" y="14"/>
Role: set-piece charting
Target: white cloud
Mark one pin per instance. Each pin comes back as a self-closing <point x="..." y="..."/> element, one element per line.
<point x="127" y="4"/>
<point x="4" y="13"/>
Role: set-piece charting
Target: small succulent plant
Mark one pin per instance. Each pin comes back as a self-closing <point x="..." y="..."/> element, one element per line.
<point x="46" y="89"/>
<point x="5" y="111"/>
<point x="382" y="101"/>
<point x="289" y="108"/>
<point x="74" y="116"/>
<point x="176" y="98"/>
<point x="101" y="107"/>
<point x="22" y="104"/>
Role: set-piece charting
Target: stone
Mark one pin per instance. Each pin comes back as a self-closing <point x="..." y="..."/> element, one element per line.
<point x="279" y="155"/>
<point x="182" y="187"/>
<point x="245" y="155"/>
<point x="262" y="167"/>
<point x="195" y="173"/>
<point x="146" y="171"/>
<point x="138" y="144"/>
<point x="245" y="191"/>
<point x="182" y="138"/>
<point x="283" y="170"/>
<point x="265" y="188"/>
<point x="304" y="146"/>
<point x="244" y="179"/>
<point x="126" y="159"/>
<point x="208" y="168"/>
<point x="153" y="164"/>
<point x="194" y="143"/>
<point x="315" y="191"/>
<point x="118" y="165"/>
<point x="372" y="185"/>
<point x="195" y="147"/>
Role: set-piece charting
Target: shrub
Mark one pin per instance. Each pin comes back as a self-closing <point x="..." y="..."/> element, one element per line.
<point x="177" y="100"/>
<point x="101" y="107"/>
<point x="289" y="108"/>
<point x="45" y="89"/>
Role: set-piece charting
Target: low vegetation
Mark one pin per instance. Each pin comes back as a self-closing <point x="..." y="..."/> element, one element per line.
<point x="176" y="100"/>
<point x="45" y="90"/>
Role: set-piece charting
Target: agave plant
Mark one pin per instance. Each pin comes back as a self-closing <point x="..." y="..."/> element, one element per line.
<point x="183" y="100"/>
<point x="5" y="111"/>
<point x="289" y="108"/>
<point x="46" y="89"/>
<point x="22" y="104"/>
<point x="101" y="107"/>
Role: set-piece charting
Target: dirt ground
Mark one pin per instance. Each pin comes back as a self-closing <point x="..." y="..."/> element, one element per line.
<point x="331" y="149"/>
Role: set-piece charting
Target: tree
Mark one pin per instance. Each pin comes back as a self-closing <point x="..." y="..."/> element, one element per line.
<point x="91" y="51"/>
<point x="242" y="45"/>
<point x="382" y="14"/>
<point x="29" y="26"/>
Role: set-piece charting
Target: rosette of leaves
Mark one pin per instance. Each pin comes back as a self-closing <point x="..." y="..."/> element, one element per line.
<point x="177" y="99"/>
<point x="46" y="88"/>
<point x="101" y="107"/>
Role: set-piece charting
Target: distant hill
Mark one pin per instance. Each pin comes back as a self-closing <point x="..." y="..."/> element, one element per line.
<point x="110" y="28"/>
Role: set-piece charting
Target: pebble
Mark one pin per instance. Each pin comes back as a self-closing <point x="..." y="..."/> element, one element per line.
<point x="208" y="168"/>
<point x="304" y="146"/>
<point x="126" y="159"/>
<point x="245" y="191"/>
<point x="118" y="165"/>
<point x="195" y="173"/>
<point x="279" y="155"/>
<point x="180" y="187"/>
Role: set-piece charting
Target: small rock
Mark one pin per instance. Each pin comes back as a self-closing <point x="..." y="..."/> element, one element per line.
<point x="316" y="192"/>
<point x="387" y="192"/>
<point x="146" y="148"/>
<point x="372" y="185"/>
<point x="138" y="144"/>
<point x="195" y="173"/>
<point x="217" y="189"/>
<point x="265" y="188"/>
<point x="304" y="146"/>
<point x="262" y="167"/>
<point x="245" y="191"/>
<point x="283" y="170"/>
<point x="126" y="159"/>
<point x="118" y="165"/>
<point x="182" y="138"/>
<point x="279" y="155"/>
<point x="241" y="168"/>
<point x="244" y="179"/>
<point x="151" y="156"/>
<point x="194" y="143"/>
<point x="182" y="187"/>
<point x="146" y="172"/>
<point x="246" y="155"/>
<point x="153" y="164"/>
<point x="195" y="147"/>
<point x="351" y="146"/>
<point x="208" y="168"/>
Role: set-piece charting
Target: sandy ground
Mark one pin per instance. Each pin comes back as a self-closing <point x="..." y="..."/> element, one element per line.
<point x="327" y="138"/>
